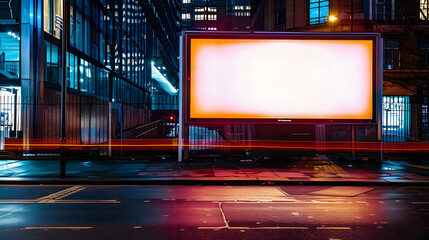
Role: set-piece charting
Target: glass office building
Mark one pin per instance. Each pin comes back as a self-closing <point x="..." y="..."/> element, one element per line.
<point x="216" y="15"/>
<point x="112" y="46"/>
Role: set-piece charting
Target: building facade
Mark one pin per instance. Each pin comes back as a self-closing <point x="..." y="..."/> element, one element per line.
<point x="216" y="15"/>
<point x="404" y="28"/>
<point x="112" y="48"/>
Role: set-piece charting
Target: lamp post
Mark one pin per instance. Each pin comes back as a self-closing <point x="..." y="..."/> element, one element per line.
<point x="64" y="33"/>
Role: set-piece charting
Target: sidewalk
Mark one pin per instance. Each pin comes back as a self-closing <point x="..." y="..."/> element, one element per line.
<point x="306" y="172"/>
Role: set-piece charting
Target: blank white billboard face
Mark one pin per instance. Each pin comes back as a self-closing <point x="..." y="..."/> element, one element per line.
<point x="281" y="79"/>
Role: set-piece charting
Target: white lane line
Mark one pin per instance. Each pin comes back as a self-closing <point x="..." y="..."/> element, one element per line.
<point x="223" y="215"/>
<point x="283" y="191"/>
<point x="333" y="228"/>
<point x="57" y="228"/>
<point x="9" y="213"/>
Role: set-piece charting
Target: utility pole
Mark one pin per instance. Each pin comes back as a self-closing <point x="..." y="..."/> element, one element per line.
<point x="64" y="32"/>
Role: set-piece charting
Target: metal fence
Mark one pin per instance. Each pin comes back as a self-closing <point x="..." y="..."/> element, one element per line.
<point x="92" y="121"/>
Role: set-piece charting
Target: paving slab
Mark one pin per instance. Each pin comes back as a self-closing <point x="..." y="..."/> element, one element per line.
<point x="345" y="191"/>
<point x="291" y="174"/>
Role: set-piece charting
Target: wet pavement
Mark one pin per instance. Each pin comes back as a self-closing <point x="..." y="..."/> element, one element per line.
<point x="213" y="212"/>
<point x="305" y="170"/>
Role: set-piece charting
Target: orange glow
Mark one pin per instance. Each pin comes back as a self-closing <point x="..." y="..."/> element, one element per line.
<point x="226" y="145"/>
<point x="281" y="79"/>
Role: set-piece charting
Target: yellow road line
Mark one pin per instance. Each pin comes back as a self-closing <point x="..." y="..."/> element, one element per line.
<point x="61" y="194"/>
<point x="333" y="228"/>
<point x="18" y="201"/>
<point x="57" y="228"/>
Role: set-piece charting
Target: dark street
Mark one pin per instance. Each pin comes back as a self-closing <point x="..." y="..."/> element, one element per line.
<point x="213" y="212"/>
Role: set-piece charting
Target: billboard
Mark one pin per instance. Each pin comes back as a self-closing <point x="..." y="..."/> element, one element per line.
<point x="280" y="77"/>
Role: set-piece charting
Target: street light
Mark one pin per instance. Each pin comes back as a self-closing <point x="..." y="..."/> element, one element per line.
<point x="332" y="18"/>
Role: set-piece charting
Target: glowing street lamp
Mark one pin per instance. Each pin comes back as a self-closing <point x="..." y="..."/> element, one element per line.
<point x="332" y="18"/>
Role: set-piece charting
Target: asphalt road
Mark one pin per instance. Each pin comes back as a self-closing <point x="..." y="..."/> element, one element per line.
<point x="213" y="212"/>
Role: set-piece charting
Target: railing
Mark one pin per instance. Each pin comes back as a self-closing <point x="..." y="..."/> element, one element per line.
<point x="144" y="131"/>
<point x="12" y="67"/>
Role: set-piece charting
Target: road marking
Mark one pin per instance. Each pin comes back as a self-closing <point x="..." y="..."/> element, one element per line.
<point x="223" y="215"/>
<point x="249" y="228"/>
<point x="333" y="228"/>
<point x="57" y="197"/>
<point x="9" y="213"/>
<point x="61" y="194"/>
<point x="57" y="228"/>
<point x="211" y="228"/>
<point x="283" y="191"/>
<point x="83" y="201"/>
<point x="18" y="201"/>
<point x="275" y="228"/>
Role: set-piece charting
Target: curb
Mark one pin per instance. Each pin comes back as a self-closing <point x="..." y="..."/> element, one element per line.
<point x="169" y="181"/>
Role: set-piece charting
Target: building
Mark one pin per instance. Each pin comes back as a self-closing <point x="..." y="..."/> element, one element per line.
<point x="120" y="54"/>
<point x="216" y="15"/>
<point x="405" y="30"/>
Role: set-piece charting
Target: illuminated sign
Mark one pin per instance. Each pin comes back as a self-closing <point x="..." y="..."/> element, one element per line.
<point x="280" y="77"/>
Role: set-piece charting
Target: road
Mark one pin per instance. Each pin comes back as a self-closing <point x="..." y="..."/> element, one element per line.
<point x="213" y="212"/>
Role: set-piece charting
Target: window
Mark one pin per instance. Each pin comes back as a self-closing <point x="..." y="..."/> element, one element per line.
<point x="9" y="53"/>
<point x="318" y="11"/>
<point x="396" y="118"/>
<point x="212" y="17"/>
<point x="186" y="16"/>
<point x="52" y="67"/>
<point x="391" y="53"/>
<point x="280" y="9"/>
<point x="387" y="9"/>
<point x="186" y="1"/>
<point x="424" y="9"/>
<point x="424" y="53"/>
<point x="53" y="15"/>
<point x="200" y="17"/>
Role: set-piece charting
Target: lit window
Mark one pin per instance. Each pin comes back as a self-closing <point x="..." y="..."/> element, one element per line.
<point x="200" y="17"/>
<point x="424" y="9"/>
<point x="248" y="8"/>
<point x="396" y="118"/>
<point x="391" y="53"/>
<point x="319" y="11"/>
<point x="239" y="7"/>
<point x="212" y="17"/>
<point x="186" y="1"/>
<point x="186" y="16"/>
